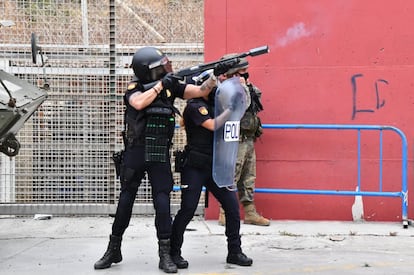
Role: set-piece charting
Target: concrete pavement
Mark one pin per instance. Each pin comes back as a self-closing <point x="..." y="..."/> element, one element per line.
<point x="71" y="245"/>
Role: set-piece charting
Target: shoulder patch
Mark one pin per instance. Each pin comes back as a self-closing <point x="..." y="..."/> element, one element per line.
<point x="132" y="86"/>
<point x="203" y="110"/>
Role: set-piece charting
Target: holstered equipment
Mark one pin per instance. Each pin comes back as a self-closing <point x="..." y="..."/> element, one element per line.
<point x="117" y="158"/>
<point x="180" y="159"/>
<point x="193" y="158"/>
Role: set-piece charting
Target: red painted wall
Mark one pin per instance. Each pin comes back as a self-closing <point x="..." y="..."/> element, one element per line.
<point x="316" y="49"/>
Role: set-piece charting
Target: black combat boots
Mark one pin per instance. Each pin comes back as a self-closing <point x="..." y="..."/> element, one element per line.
<point x="166" y="262"/>
<point x="112" y="254"/>
<point x="239" y="259"/>
<point x="179" y="261"/>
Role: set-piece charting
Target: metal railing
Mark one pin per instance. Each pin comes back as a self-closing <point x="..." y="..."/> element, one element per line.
<point x="403" y="193"/>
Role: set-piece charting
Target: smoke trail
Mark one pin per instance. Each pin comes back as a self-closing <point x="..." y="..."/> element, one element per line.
<point x="294" y="33"/>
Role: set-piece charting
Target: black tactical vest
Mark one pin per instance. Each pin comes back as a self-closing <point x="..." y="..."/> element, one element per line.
<point x="152" y="127"/>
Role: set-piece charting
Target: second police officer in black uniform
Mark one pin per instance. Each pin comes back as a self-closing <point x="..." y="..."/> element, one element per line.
<point x="199" y="122"/>
<point x="150" y="122"/>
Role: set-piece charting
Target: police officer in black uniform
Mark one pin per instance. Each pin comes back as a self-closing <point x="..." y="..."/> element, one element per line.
<point x="199" y="122"/>
<point x="150" y="122"/>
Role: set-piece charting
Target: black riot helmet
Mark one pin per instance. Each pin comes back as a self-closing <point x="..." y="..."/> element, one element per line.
<point x="150" y="64"/>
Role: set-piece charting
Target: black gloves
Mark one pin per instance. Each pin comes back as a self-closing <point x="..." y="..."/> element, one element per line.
<point x="169" y="81"/>
<point x="221" y="68"/>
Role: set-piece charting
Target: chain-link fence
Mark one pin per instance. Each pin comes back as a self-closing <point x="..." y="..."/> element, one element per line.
<point x="64" y="165"/>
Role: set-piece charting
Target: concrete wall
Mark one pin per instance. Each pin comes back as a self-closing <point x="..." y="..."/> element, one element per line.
<point x="330" y="62"/>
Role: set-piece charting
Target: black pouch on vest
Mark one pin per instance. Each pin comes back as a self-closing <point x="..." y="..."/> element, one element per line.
<point x="156" y="149"/>
<point x="159" y="130"/>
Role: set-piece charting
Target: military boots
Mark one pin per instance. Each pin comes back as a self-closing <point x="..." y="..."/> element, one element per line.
<point x="239" y="259"/>
<point x="222" y="217"/>
<point x="179" y="261"/>
<point x="112" y="254"/>
<point x="166" y="263"/>
<point x="252" y="217"/>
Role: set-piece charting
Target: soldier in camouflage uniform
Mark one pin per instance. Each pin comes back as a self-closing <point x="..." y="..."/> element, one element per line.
<point x="250" y="130"/>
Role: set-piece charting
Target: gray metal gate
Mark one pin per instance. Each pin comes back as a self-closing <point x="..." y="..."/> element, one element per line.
<point x="64" y="165"/>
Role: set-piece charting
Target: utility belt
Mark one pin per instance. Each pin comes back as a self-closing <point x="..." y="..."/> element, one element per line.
<point x="158" y="133"/>
<point x="192" y="158"/>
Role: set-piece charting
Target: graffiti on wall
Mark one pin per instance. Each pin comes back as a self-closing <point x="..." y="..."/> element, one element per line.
<point x="377" y="104"/>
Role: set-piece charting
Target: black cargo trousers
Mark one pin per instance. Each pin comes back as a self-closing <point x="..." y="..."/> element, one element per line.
<point x="161" y="179"/>
<point x="192" y="181"/>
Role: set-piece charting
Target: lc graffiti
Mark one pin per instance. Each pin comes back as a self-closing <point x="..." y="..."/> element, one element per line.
<point x="380" y="102"/>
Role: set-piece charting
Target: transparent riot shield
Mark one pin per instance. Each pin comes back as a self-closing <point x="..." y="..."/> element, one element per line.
<point x="230" y="104"/>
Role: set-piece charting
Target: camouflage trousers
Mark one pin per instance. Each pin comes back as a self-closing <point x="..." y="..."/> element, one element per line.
<point x="245" y="174"/>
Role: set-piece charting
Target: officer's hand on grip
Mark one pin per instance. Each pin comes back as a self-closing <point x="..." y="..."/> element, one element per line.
<point x="169" y="81"/>
<point x="221" y="68"/>
<point x="234" y="101"/>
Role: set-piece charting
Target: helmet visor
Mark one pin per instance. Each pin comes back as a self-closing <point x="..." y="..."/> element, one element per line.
<point x="160" y="68"/>
<point x="164" y="62"/>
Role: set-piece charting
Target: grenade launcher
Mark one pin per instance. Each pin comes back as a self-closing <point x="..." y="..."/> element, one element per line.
<point x="195" y="70"/>
<point x="199" y="69"/>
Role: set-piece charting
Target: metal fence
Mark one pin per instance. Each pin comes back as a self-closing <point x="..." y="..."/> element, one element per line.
<point x="362" y="189"/>
<point x="64" y="164"/>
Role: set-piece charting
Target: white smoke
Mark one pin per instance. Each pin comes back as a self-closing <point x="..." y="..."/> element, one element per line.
<point x="296" y="32"/>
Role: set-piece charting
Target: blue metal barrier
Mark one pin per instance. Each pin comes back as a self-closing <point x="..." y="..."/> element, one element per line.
<point x="403" y="193"/>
